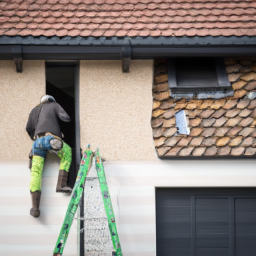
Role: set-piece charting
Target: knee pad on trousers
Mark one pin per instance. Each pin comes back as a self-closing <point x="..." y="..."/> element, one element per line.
<point x="56" y="144"/>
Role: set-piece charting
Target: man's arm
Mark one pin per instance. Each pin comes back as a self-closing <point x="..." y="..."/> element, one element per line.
<point x="30" y="127"/>
<point x="62" y="114"/>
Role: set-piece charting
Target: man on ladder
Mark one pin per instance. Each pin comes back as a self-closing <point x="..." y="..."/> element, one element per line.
<point x="43" y="127"/>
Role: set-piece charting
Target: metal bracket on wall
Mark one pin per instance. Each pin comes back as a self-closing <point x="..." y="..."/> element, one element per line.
<point x="17" y="57"/>
<point x="126" y="54"/>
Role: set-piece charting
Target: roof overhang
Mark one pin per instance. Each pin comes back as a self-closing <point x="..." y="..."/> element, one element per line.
<point x="125" y="49"/>
<point x="91" y="48"/>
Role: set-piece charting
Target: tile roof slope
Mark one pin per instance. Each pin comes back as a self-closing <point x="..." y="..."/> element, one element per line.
<point x="225" y="127"/>
<point x="127" y="18"/>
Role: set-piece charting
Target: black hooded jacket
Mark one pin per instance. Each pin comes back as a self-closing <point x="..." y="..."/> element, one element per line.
<point x="45" y="118"/>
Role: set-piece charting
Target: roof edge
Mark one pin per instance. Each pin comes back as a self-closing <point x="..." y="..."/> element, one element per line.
<point x="114" y="48"/>
<point x="161" y="40"/>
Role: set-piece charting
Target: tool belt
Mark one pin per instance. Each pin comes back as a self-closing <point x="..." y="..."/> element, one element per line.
<point x="47" y="133"/>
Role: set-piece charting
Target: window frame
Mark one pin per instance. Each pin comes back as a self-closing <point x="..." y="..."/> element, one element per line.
<point x="222" y="78"/>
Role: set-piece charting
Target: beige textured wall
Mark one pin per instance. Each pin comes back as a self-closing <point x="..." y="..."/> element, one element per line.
<point x="19" y="93"/>
<point x="115" y="109"/>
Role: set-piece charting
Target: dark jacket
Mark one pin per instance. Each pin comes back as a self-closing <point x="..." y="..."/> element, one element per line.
<point x="45" y="118"/>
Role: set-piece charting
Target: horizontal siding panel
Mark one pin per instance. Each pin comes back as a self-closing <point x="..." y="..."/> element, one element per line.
<point x="34" y="247"/>
<point x="6" y="220"/>
<point x="14" y="169"/>
<point x="22" y="191"/>
<point x="137" y="238"/>
<point x="37" y="253"/>
<point x="55" y="229"/>
<point x="133" y="200"/>
<point x="32" y="230"/>
<point x="138" y="253"/>
<point x="64" y="201"/>
<point x="20" y="168"/>
<point x="132" y="191"/>
<point x="24" y="210"/>
<point x="43" y="250"/>
<point x="23" y="182"/>
<point x="26" y="200"/>
<point x="40" y="240"/>
<point x="135" y="229"/>
<point x="180" y="181"/>
<point x="170" y="168"/>
<point x="191" y="180"/>
<point x="137" y="219"/>
<point x="143" y="247"/>
<point x="134" y="210"/>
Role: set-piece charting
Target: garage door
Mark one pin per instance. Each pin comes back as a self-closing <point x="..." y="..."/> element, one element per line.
<point x="206" y="222"/>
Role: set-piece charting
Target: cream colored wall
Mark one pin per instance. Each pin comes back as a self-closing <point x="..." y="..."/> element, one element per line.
<point x="115" y="109"/>
<point x="19" y="93"/>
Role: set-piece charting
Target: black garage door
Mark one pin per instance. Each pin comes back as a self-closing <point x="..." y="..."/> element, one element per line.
<point x="206" y="222"/>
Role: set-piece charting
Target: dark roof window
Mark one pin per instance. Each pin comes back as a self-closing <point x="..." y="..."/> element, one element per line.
<point x="198" y="77"/>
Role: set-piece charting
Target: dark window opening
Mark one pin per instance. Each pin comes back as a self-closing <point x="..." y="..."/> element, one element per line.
<point x="60" y="83"/>
<point x="197" y="75"/>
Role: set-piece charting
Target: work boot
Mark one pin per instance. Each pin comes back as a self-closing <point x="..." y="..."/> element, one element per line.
<point x="35" y="196"/>
<point x="62" y="182"/>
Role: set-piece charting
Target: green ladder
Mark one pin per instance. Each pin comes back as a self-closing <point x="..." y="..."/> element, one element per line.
<point x="77" y="192"/>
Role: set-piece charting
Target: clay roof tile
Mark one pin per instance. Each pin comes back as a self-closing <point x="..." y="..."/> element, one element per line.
<point x="180" y="18"/>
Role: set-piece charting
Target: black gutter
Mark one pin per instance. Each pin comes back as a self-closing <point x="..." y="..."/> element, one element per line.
<point x="102" y="48"/>
<point x="115" y="52"/>
<point x="192" y="51"/>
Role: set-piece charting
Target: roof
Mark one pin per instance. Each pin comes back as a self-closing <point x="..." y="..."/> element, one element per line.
<point x="127" y="18"/>
<point x="223" y="127"/>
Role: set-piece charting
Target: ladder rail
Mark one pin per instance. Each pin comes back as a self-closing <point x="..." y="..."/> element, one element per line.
<point x="107" y="204"/>
<point x="77" y="192"/>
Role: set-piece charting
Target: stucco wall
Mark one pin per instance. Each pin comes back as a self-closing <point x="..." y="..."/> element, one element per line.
<point x="20" y="92"/>
<point x="115" y="109"/>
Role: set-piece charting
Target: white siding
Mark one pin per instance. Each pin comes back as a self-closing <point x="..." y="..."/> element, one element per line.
<point x="20" y="233"/>
<point x="132" y="188"/>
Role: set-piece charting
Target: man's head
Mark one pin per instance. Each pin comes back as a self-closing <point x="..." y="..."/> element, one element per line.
<point x="47" y="98"/>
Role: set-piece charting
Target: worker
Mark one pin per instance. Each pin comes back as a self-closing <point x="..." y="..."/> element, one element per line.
<point x="43" y="127"/>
